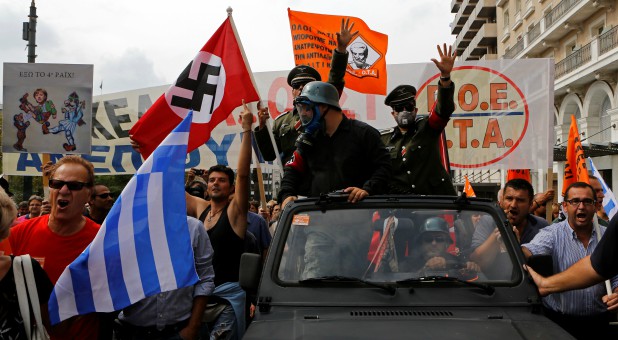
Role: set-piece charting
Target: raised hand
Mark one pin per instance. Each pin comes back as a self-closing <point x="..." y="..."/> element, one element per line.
<point x="447" y="60"/>
<point x="345" y="35"/>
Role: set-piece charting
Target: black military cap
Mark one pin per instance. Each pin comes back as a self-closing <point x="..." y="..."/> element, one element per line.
<point x="400" y="94"/>
<point x="303" y="74"/>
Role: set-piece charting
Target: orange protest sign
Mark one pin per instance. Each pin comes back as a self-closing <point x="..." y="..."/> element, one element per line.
<point x="575" y="169"/>
<point x="519" y="173"/>
<point x="468" y="188"/>
<point x="314" y="38"/>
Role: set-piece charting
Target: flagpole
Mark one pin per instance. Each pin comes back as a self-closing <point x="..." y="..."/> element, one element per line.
<point x="244" y="57"/>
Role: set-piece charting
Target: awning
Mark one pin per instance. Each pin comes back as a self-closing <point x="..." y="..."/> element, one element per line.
<point x="590" y="150"/>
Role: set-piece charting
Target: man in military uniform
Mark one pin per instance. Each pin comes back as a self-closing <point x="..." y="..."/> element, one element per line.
<point x="414" y="143"/>
<point x="287" y="126"/>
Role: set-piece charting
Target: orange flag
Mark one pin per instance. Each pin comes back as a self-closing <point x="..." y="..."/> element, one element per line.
<point x="575" y="167"/>
<point x="314" y="39"/>
<point x="468" y="188"/>
<point x="520" y="173"/>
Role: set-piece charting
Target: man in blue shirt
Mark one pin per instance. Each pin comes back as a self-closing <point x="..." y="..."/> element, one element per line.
<point x="581" y="312"/>
<point x="176" y="314"/>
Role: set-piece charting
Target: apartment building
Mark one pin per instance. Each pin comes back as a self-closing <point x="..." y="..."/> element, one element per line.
<point x="582" y="37"/>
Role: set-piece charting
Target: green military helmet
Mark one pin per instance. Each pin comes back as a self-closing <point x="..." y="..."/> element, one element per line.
<point x="321" y="92"/>
<point x="435" y="224"/>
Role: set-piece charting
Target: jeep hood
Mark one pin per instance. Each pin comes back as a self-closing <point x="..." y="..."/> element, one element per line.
<point x="312" y="327"/>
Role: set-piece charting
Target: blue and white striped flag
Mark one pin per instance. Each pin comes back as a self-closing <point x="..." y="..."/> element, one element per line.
<point x="143" y="247"/>
<point x="610" y="205"/>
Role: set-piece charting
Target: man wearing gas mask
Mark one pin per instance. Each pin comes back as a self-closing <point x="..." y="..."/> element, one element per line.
<point x="413" y="144"/>
<point x="335" y="152"/>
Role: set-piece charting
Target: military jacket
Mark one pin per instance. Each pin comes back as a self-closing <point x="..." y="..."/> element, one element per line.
<point x="287" y="127"/>
<point x="415" y="155"/>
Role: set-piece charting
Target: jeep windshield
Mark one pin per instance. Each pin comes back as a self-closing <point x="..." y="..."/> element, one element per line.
<point x="395" y="246"/>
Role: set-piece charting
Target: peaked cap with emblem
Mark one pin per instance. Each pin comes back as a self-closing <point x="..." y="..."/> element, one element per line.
<point x="303" y="74"/>
<point x="400" y="94"/>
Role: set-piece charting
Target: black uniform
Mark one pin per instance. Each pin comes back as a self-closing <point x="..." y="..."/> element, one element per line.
<point x="604" y="258"/>
<point x="353" y="157"/>
<point x="287" y="127"/>
<point x="415" y="155"/>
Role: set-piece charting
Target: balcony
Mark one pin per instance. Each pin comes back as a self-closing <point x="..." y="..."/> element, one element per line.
<point x="483" y="12"/>
<point x="485" y="37"/>
<point x="513" y="51"/>
<point x="466" y="7"/>
<point x="555" y="25"/>
<point x="574" y="61"/>
<point x="608" y="41"/>
<point x="455" y="4"/>
<point x="559" y="11"/>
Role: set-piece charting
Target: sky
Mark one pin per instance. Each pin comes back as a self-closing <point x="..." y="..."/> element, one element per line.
<point x="137" y="44"/>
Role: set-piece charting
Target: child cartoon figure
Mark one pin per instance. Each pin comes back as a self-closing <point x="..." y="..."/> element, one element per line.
<point x="73" y="114"/>
<point x="42" y="110"/>
<point x="21" y="125"/>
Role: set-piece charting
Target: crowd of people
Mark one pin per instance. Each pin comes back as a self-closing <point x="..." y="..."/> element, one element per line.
<point x="323" y="151"/>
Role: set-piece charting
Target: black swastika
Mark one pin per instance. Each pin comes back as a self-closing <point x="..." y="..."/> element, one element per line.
<point x="199" y="86"/>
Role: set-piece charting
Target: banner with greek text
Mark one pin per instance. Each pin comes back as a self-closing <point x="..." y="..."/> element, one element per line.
<point x="502" y="119"/>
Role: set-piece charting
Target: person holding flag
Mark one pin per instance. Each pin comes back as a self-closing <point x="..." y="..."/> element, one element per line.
<point x="287" y="126"/>
<point x="414" y="143"/>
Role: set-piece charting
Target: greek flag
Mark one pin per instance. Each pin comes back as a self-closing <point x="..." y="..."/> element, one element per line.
<point x="610" y="205"/>
<point x="143" y="247"/>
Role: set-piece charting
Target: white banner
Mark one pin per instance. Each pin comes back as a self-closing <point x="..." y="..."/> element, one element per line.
<point x="47" y="108"/>
<point x="503" y="117"/>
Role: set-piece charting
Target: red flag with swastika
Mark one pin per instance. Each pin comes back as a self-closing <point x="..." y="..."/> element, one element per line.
<point x="213" y="84"/>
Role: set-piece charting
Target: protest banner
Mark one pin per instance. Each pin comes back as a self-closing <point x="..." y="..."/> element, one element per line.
<point x="313" y="41"/>
<point x="514" y="131"/>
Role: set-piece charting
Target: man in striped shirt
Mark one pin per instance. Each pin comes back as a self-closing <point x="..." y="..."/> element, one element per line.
<point x="581" y="312"/>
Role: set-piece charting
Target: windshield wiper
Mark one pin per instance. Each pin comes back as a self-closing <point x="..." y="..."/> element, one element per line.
<point x="485" y="287"/>
<point x="389" y="288"/>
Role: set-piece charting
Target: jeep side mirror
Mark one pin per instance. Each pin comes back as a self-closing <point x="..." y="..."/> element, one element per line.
<point x="250" y="272"/>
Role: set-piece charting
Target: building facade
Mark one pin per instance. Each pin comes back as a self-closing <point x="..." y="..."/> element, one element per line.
<point x="582" y="37"/>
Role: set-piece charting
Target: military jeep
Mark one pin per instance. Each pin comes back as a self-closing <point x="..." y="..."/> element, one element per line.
<point x="392" y="267"/>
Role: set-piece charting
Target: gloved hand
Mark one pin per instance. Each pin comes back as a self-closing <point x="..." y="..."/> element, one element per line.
<point x="312" y="127"/>
<point x="304" y="143"/>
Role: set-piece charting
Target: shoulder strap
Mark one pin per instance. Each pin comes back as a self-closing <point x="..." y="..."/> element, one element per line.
<point x="34" y="297"/>
<point x="204" y="214"/>
<point x="22" y="295"/>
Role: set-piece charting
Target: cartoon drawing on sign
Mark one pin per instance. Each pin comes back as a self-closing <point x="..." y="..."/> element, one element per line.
<point x="73" y="114"/>
<point x="41" y="111"/>
<point x="21" y="125"/>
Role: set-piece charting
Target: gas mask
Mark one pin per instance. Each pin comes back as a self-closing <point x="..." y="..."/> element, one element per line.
<point x="406" y="114"/>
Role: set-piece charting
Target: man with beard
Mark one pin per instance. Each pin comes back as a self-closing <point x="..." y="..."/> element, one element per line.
<point x="100" y="203"/>
<point x="581" y="312"/>
<point x="413" y="144"/>
<point x="489" y="251"/>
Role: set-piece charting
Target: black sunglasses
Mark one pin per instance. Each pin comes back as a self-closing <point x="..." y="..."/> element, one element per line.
<point x="73" y="186"/>
<point x="105" y="195"/>
<point x="431" y="238"/>
<point x="298" y="86"/>
<point x="404" y="107"/>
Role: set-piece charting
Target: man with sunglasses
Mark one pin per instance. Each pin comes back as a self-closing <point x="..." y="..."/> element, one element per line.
<point x="414" y="143"/>
<point x="581" y="312"/>
<point x="287" y="126"/>
<point x="55" y="240"/>
<point x="433" y="241"/>
<point x="100" y="204"/>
